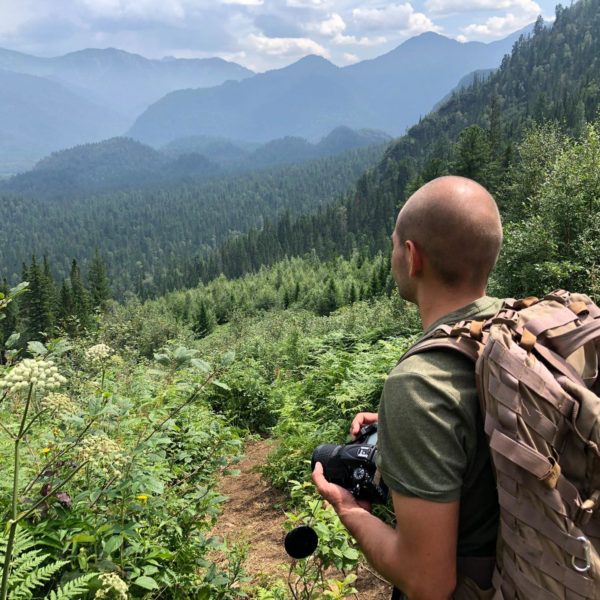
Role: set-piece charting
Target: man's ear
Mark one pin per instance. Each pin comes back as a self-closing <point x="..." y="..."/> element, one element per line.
<point x="415" y="258"/>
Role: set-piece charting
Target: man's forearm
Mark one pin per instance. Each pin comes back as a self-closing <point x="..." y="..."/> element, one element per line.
<point x="378" y="542"/>
<point x="419" y="556"/>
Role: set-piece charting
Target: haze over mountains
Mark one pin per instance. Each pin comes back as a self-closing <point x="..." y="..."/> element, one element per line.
<point x="123" y="163"/>
<point x="313" y="96"/>
<point x="123" y="82"/>
<point x="48" y="104"/>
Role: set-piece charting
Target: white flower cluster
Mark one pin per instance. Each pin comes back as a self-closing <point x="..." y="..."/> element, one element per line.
<point x="112" y="587"/>
<point x="60" y="403"/>
<point x="98" y="353"/>
<point x="43" y="374"/>
<point x="103" y="454"/>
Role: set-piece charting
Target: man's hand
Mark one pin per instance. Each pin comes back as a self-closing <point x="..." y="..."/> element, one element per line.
<point x="360" y="420"/>
<point x="340" y="498"/>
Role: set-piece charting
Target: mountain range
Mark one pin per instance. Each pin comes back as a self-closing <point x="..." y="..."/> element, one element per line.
<point x="123" y="82"/>
<point x="123" y="163"/>
<point x="313" y="96"/>
<point x="47" y="104"/>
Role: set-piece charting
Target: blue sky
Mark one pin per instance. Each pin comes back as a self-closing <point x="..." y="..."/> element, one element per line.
<point x="260" y="34"/>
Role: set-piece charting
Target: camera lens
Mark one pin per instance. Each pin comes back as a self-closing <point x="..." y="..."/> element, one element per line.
<point x="323" y="454"/>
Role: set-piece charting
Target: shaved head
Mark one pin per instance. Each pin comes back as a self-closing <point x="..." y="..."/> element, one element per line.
<point x="455" y="223"/>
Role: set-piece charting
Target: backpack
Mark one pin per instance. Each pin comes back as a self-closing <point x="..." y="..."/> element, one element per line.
<point x="536" y="366"/>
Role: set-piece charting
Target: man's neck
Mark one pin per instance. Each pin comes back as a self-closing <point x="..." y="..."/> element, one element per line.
<point x="434" y="304"/>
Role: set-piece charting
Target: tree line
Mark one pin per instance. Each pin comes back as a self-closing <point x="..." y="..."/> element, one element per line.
<point x="47" y="309"/>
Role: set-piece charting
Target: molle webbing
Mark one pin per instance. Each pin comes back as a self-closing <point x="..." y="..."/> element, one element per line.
<point x="536" y="363"/>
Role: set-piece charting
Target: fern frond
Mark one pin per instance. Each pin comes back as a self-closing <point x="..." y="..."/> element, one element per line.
<point x="72" y="589"/>
<point x="23" y="542"/>
<point x="37" y="578"/>
<point x="23" y="565"/>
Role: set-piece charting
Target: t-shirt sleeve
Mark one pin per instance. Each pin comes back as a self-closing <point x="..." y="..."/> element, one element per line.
<point x="424" y="419"/>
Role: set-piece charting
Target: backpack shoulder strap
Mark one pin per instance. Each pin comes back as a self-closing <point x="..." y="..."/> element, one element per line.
<point x="452" y="338"/>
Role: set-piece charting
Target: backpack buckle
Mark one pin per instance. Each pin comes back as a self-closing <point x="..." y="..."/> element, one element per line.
<point x="588" y="559"/>
<point x="587" y="509"/>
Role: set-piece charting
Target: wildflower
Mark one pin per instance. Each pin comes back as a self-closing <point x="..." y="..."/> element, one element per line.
<point x="98" y="353"/>
<point x="60" y="403"/>
<point x="45" y="450"/>
<point x="112" y="587"/>
<point x="103" y="454"/>
<point x="43" y="374"/>
<point x="143" y="498"/>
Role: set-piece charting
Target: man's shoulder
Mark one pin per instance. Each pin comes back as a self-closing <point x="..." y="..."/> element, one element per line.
<point x="437" y="361"/>
<point x="433" y="363"/>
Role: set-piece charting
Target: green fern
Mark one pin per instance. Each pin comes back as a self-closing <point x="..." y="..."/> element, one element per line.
<point x="37" y="578"/>
<point x="31" y="569"/>
<point x="72" y="589"/>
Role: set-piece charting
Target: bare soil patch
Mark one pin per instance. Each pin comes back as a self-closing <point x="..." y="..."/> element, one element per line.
<point x="254" y="515"/>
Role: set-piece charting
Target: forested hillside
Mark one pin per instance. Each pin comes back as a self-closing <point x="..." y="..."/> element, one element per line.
<point x="123" y="164"/>
<point x="145" y="235"/>
<point x="473" y="134"/>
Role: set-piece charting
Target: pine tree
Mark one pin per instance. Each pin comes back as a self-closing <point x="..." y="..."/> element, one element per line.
<point x="9" y="323"/>
<point x="81" y="300"/>
<point x="37" y="304"/>
<point x="66" y="309"/>
<point x="473" y="154"/>
<point x="99" y="286"/>
<point x="329" y="301"/>
<point x="204" y="321"/>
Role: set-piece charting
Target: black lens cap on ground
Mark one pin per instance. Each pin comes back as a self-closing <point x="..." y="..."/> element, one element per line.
<point x="301" y="542"/>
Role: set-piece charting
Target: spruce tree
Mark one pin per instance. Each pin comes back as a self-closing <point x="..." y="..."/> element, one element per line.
<point x="37" y="304"/>
<point x="98" y="285"/>
<point x="81" y="300"/>
<point x="204" y="321"/>
<point x="8" y="318"/>
<point x="66" y="309"/>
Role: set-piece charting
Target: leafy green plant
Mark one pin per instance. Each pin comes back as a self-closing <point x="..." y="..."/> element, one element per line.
<point x="31" y="569"/>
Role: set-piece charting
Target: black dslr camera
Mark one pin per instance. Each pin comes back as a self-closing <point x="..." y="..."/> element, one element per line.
<point x="353" y="467"/>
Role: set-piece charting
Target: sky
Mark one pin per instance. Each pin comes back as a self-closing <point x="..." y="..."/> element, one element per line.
<point x="259" y="34"/>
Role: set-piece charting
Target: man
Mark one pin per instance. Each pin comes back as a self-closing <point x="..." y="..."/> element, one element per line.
<point x="433" y="454"/>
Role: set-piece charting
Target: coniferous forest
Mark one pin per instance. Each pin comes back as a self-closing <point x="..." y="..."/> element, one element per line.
<point x="150" y="336"/>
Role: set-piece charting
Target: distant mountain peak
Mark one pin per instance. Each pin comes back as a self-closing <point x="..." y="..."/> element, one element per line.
<point x="313" y="62"/>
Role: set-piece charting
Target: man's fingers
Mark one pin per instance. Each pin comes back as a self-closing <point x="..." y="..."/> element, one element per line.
<point x="361" y="419"/>
<point x="318" y="478"/>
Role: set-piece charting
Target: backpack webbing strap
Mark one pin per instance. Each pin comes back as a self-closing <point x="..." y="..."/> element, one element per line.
<point x="560" y="317"/>
<point x="531" y="588"/>
<point x="524" y="457"/>
<point x="566" y="343"/>
<point x="515" y="367"/>
<point x="545" y="563"/>
<point x="525" y="513"/>
<point x="466" y="346"/>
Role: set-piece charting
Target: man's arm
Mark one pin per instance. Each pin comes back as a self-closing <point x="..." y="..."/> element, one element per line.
<point x="419" y="555"/>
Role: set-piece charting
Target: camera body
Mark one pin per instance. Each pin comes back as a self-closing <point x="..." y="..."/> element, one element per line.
<point x="352" y="466"/>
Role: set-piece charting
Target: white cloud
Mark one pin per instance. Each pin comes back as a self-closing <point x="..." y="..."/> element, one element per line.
<point x="396" y="17"/>
<point x="244" y="2"/>
<point x="333" y="25"/>
<point x="286" y="46"/>
<point x="462" y="6"/>
<point x="462" y="39"/>
<point x="496" y="27"/>
<point x="153" y="10"/>
<point x="307" y="3"/>
<point x="349" y="58"/>
<point x="352" y="40"/>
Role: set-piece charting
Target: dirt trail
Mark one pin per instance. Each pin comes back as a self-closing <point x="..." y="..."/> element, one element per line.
<point x="254" y="514"/>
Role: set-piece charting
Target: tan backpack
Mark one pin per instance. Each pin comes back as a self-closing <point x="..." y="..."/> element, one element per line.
<point x="537" y="377"/>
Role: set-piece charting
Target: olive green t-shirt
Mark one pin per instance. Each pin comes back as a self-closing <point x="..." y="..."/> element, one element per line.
<point x="431" y="440"/>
